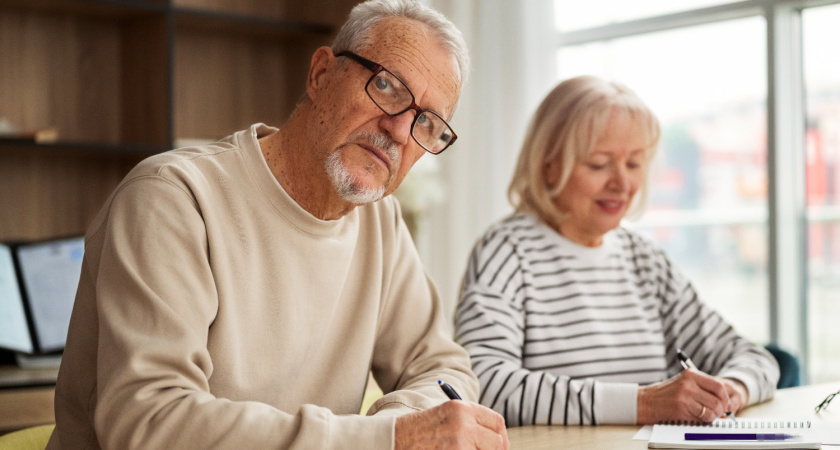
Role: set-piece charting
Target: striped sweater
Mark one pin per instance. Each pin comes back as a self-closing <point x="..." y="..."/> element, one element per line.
<point x="564" y="334"/>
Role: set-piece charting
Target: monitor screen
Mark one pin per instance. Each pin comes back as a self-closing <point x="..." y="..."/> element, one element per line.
<point x="49" y="272"/>
<point x="14" y="330"/>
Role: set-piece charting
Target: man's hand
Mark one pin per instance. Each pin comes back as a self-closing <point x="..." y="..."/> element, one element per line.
<point x="738" y="395"/>
<point x="452" y="425"/>
<point x="690" y="396"/>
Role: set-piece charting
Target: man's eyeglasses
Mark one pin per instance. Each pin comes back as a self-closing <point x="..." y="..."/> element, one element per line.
<point x="825" y="402"/>
<point x="393" y="97"/>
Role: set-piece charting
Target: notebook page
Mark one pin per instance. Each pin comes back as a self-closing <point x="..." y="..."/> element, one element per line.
<point x="673" y="436"/>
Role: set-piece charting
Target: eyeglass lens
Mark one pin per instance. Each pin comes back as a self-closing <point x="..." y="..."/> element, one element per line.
<point x="393" y="97"/>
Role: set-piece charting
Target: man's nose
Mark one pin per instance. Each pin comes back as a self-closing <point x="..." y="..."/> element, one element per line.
<point x="399" y="126"/>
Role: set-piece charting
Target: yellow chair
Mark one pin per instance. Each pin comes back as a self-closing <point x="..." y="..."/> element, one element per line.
<point x="372" y="394"/>
<point x="32" y="438"/>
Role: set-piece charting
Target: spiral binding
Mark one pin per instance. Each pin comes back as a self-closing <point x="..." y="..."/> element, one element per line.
<point x="741" y="423"/>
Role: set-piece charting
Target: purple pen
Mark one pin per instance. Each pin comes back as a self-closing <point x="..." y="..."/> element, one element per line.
<point x="739" y="437"/>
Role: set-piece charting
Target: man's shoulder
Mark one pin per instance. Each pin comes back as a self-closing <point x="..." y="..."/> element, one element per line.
<point x="185" y="169"/>
<point x="194" y="158"/>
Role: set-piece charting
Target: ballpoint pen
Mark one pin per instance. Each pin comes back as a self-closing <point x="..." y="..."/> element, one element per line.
<point x="687" y="363"/>
<point x="450" y="392"/>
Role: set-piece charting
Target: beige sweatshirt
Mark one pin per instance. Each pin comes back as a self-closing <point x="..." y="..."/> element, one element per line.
<point x="214" y="312"/>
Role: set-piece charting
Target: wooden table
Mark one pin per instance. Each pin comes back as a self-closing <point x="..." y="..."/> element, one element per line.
<point x="26" y="397"/>
<point x="26" y="407"/>
<point x="793" y="402"/>
<point x="22" y="407"/>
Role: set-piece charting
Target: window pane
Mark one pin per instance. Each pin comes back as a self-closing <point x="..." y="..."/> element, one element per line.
<point x="821" y="47"/>
<point x="708" y="202"/>
<point x="570" y="15"/>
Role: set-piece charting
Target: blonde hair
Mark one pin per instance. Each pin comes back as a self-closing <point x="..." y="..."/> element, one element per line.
<point x="565" y="128"/>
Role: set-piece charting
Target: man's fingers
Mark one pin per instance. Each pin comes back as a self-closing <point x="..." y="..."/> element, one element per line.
<point x="490" y="440"/>
<point x="454" y="424"/>
<point x="488" y="418"/>
<point x="489" y="431"/>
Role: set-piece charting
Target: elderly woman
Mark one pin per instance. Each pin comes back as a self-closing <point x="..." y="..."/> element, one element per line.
<point x="570" y="318"/>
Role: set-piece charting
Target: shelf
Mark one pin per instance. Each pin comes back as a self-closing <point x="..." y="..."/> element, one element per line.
<point x="329" y="13"/>
<point x="82" y="147"/>
<point x="246" y="24"/>
<point x="103" y="8"/>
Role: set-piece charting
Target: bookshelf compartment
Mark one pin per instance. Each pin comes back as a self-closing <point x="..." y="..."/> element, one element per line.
<point x="226" y="83"/>
<point x="69" y="73"/>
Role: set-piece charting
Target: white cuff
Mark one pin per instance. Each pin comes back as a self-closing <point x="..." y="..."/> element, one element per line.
<point x="615" y="403"/>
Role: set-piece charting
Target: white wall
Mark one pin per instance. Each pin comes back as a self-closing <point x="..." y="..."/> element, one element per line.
<point x="512" y="47"/>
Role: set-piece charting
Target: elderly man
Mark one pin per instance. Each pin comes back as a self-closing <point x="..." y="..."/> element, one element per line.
<point x="237" y="294"/>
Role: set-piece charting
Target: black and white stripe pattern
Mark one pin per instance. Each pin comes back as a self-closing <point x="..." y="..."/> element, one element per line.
<point x="564" y="334"/>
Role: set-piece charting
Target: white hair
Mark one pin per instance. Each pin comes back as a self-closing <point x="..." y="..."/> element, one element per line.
<point x="354" y="35"/>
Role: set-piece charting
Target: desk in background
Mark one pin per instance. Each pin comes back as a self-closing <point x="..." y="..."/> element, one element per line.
<point x="796" y="402"/>
<point x="26" y="397"/>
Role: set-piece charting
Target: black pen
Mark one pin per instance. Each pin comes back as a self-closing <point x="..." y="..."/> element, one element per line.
<point x="687" y="363"/>
<point x="449" y="391"/>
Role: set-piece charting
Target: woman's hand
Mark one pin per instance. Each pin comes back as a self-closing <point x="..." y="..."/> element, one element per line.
<point x="691" y="396"/>
<point x="738" y="395"/>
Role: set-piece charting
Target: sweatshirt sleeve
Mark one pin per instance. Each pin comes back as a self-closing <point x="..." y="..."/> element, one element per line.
<point x="414" y="343"/>
<point x="156" y="300"/>
<point x="490" y="324"/>
<point x="713" y="344"/>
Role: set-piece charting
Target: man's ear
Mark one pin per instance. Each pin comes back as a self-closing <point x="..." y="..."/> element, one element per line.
<point x="319" y="67"/>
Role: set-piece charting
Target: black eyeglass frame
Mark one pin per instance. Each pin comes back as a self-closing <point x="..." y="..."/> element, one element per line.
<point x="376" y="68"/>
<point x="826" y="401"/>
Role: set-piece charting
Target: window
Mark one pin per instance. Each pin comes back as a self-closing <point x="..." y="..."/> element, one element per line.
<point x="720" y="181"/>
<point x="572" y="15"/>
<point x="708" y="202"/>
<point x="820" y="44"/>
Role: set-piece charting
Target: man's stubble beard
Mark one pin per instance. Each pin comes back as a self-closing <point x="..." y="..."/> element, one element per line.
<point x="347" y="186"/>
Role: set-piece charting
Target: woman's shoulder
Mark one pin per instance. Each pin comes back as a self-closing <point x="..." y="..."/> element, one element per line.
<point x="631" y="239"/>
<point x="515" y="229"/>
<point x="641" y="249"/>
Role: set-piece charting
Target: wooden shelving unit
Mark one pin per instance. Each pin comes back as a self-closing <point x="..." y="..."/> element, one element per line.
<point x="124" y="79"/>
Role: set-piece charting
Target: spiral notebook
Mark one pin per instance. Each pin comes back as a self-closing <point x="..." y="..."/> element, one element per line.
<point x="673" y="435"/>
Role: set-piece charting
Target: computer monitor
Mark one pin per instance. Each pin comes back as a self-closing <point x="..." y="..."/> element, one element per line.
<point x="14" y="329"/>
<point x="47" y="275"/>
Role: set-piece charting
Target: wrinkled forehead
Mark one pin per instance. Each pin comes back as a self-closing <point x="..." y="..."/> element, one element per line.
<point x="411" y="50"/>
